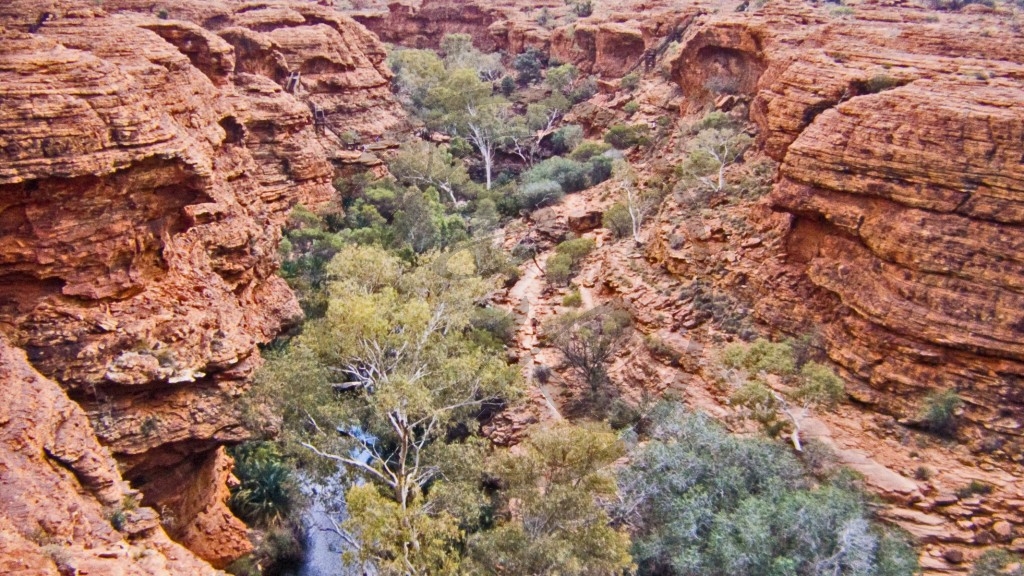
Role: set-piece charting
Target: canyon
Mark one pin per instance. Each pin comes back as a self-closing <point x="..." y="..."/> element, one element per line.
<point x="150" y="155"/>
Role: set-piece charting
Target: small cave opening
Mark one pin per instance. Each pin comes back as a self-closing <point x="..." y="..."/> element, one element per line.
<point x="234" y="130"/>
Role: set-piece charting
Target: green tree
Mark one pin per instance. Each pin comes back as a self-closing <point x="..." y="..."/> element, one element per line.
<point x="588" y="340"/>
<point x="711" y="152"/>
<point x="417" y="72"/>
<point x="424" y="164"/>
<point x="553" y="523"/>
<point x="562" y="78"/>
<point x="459" y="54"/>
<point x="465" y="105"/>
<point x="529" y="65"/>
<point x="939" y="412"/>
<point x="377" y="385"/>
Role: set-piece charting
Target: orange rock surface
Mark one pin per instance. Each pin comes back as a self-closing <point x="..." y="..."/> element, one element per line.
<point x="146" y="163"/>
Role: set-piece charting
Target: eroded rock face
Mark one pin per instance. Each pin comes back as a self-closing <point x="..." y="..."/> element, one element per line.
<point x="146" y="165"/>
<point x="61" y="489"/>
<point x="901" y="137"/>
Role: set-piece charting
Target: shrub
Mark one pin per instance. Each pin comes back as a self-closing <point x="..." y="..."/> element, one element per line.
<point x="714" y="119"/>
<point x="589" y="339"/>
<point x="535" y="195"/>
<point x="820" y="385"/>
<point x="631" y="107"/>
<point x="879" y="83"/>
<point x="761" y="356"/>
<point x="616" y="218"/>
<point x="498" y="323"/>
<point x="585" y="90"/>
<point x="621" y="136"/>
<point x="572" y="176"/>
<point x="583" y="8"/>
<point x="599" y="169"/>
<point x="528" y="65"/>
<point x="939" y="412"/>
<point x="587" y="150"/>
<point x="559" y="269"/>
<point x="997" y="563"/>
<point x="704" y="502"/>
<point x="566" y="139"/>
<point x="507" y="86"/>
<point x="630" y="81"/>
<point x="975" y="488"/>
<point x="576" y="250"/>
<point x="923" y="473"/>
<point x="572" y="299"/>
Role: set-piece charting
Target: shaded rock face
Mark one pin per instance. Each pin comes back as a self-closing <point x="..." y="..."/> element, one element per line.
<point x="901" y="142"/>
<point x="61" y="488"/>
<point x="146" y="165"/>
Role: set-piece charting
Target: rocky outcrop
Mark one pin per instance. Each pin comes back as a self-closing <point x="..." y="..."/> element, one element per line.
<point x="146" y="163"/>
<point x="66" y="509"/>
<point x="899" y="134"/>
<point x="610" y="43"/>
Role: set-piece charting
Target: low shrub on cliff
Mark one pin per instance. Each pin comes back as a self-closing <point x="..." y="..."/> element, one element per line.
<point x="622" y="136"/>
<point x="998" y="563"/>
<point x="938" y="414"/>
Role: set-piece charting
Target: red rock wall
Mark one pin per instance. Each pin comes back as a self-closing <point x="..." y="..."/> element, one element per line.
<point x="901" y="139"/>
<point x="146" y="165"/>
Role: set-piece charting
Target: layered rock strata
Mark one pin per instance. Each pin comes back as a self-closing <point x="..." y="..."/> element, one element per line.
<point x="901" y="141"/>
<point x="147" y="160"/>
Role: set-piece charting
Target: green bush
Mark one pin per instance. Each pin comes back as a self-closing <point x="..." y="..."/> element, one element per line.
<point x="630" y="81"/>
<point x="584" y="90"/>
<point x="939" y="412"/>
<point x="761" y="356"/>
<point x="975" y="488"/>
<point x="559" y="269"/>
<point x="566" y="139"/>
<point x="535" y="195"/>
<point x="571" y="175"/>
<point x="617" y="219"/>
<point x="528" y="66"/>
<point x="997" y="563"/>
<point x="498" y="323"/>
<point x="599" y="169"/>
<point x="820" y="385"/>
<point x="879" y="83"/>
<point x="631" y="107"/>
<point x="576" y="249"/>
<point x="703" y="502"/>
<point x="572" y="299"/>
<point x="507" y="86"/>
<point x="622" y="136"/>
<point x="588" y="149"/>
<point x="583" y="8"/>
<point x="715" y="119"/>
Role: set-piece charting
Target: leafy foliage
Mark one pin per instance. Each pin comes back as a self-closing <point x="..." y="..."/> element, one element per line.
<point x="589" y="339"/>
<point x="703" y="502"/>
<point x="266" y="493"/>
<point x="558" y="527"/>
<point x="621" y="136"/>
<point x="939" y="412"/>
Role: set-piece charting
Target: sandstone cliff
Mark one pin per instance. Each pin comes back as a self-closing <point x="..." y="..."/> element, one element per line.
<point x="899" y="134"/>
<point x="146" y="162"/>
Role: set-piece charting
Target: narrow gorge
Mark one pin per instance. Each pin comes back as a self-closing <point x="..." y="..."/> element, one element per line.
<point x="190" y="188"/>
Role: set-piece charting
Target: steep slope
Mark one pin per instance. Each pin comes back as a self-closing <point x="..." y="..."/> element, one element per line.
<point x="146" y="166"/>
